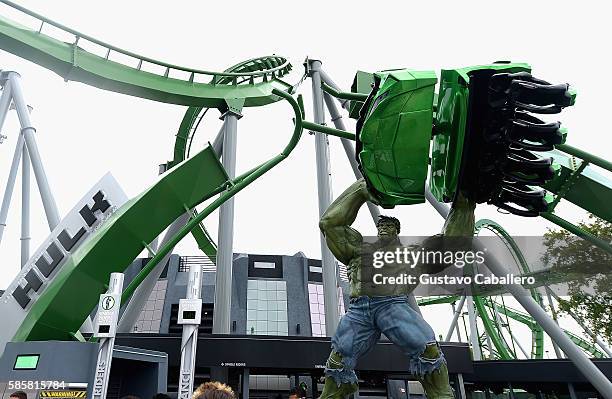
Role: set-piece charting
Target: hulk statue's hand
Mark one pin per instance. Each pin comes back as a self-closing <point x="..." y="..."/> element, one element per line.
<point x="365" y="191"/>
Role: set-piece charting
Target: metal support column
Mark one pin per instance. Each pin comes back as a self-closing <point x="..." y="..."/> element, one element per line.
<point x="330" y="284"/>
<point x="25" y="207"/>
<point x="314" y="388"/>
<point x="5" y="98"/>
<point x="328" y="81"/>
<point x="244" y="383"/>
<point x="190" y="315"/>
<point x="460" y="386"/>
<point x="454" y="323"/>
<point x="474" y="339"/>
<point x="554" y="314"/>
<point x="587" y="330"/>
<point x="28" y="132"/>
<point x="499" y="321"/>
<point x="217" y="143"/>
<point x="572" y="391"/>
<point x="10" y="184"/>
<point x="523" y="296"/>
<point x="225" y="256"/>
<point x="105" y="329"/>
<point x="5" y="101"/>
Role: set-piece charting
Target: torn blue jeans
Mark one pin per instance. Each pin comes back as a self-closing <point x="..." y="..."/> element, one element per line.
<point x="360" y="329"/>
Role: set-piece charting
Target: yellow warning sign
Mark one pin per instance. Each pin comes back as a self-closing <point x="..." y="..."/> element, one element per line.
<point x="62" y="394"/>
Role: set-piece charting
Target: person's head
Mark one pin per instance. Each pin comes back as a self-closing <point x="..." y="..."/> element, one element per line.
<point x="297" y="393"/>
<point x="18" y="395"/>
<point x="213" y="390"/>
<point x="160" y="396"/>
<point x="388" y="227"/>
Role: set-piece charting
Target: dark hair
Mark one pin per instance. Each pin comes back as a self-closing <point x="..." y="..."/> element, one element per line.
<point x="160" y="396"/>
<point x="130" y="397"/>
<point x="214" y="390"/>
<point x="387" y="219"/>
<point x="298" y="391"/>
<point x="19" y="394"/>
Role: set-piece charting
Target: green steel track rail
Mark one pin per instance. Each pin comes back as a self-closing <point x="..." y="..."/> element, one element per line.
<point x="73" y="62"/>
<point x="56" y="315"/>
<point x="73" y="293"/>
<point x="182" y="144"/>
<point x="234" y="187"/>
<point x="537" y="349"/>
<point x="520" y="317"/>
<point x="580" y="183"/>
<point x="526" y="319"/>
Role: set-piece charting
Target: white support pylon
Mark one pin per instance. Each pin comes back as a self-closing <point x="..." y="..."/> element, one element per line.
<point x="190" y="315"/>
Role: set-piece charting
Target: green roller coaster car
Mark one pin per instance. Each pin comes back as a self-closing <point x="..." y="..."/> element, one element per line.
<point x="394" y="131"/>
<point x="450" y="130"/>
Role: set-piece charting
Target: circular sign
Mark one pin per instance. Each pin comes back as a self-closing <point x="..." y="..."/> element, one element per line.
<point x="108" y="303"/>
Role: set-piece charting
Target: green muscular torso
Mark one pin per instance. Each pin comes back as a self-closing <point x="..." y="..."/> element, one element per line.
<point x="348" y="246"/>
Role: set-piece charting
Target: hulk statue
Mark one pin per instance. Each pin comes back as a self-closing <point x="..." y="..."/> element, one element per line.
<point x="376" y="309"/>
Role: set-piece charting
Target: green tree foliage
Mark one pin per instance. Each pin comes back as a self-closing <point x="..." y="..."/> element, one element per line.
<point x="590" y="271"/>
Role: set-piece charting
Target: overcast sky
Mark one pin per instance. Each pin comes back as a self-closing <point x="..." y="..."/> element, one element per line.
<point x="278" y="214"/>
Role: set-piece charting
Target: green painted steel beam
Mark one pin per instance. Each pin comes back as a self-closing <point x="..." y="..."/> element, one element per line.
<point x="537" y="348"/>
<point x="585" y="345"/>
<point x="68" y="300"/>
<point x="234" y="187"/>
<point x="74" y="63"/>
<point x="183" y="135"/>
<point x="594" y="159"/>
<point x="578" y="231"/>
<point x="315" y="127"/>
<point x="586" y="188"/>
<point x="527" y="320"/>
<point x="204" y="240"/>
<point x="343" y="95"/>
<point x="186" y="131"/>
<point x="496" y="338"/>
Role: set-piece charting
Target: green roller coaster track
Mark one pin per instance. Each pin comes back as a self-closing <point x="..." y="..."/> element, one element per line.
<point x="484" y="305"/>
<point x="72" y="62"/>
<point x="520" y="317"/>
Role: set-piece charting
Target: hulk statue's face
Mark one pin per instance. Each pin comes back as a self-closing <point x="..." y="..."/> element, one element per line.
<point x="387" y="230"/>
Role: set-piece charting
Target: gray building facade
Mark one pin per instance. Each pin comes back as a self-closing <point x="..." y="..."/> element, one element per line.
<point x="271" y="295"/>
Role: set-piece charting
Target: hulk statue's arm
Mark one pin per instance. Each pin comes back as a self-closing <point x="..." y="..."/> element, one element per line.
<point x="460" y="221"/>
<point x="335" y="224"/>
<point x="459" y="225"/>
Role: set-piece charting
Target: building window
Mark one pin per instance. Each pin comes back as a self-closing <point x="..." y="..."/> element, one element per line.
<point x="267" y="307"/>
<point x="317" y="308"/>
<point x="315" y="271"/>
<point x="149" y="319"/>
<point x="264" y="265"/>
<point x="269" y="383"/>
